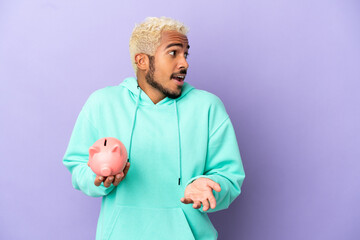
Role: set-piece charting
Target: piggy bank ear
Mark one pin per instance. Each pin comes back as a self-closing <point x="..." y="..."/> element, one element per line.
<point x="92" y="151"/>
<point x="115" y="148"/>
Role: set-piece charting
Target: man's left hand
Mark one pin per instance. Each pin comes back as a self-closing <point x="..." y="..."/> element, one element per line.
<point x="200" y="192"/>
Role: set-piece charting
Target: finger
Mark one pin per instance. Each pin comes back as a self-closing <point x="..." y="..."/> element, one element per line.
<point x="205" y="204"/>
<point x="186" y="200"/>
<point x="98" y="180"/>
<point x="108" y="181"/>
<point x="215" y="186"/>
<point x="197" y="204"/>
<point x="212" y="201"/>
<point x="126" y="169"/>
<point x="118" y="178"/>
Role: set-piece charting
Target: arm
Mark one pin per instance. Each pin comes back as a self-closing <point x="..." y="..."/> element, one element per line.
<point x="77" y="155"/>
<point x="223" y="165"/>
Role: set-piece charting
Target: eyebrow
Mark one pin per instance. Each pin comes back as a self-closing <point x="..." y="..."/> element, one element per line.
<point x="176" y="44"/>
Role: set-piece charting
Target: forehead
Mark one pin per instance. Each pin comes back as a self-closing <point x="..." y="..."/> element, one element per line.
<point x="170" y="37"/>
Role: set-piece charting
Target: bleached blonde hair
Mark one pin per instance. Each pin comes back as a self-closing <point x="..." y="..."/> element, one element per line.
<point x="145" y="37"/>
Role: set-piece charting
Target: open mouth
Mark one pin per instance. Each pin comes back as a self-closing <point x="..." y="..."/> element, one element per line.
<point x="179" y="78"/>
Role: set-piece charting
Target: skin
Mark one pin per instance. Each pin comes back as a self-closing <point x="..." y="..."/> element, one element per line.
<point x="154" y="78"/>
<point x="167" y="61"/>
<point x="115" y="180"/>
<point x="200" y="192"/>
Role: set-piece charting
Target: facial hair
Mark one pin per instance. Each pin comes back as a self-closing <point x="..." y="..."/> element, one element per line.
<point x="150" y="80"/>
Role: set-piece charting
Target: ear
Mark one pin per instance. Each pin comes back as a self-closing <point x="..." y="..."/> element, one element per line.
<point x="142" y="61"/>
<point x="92" y="151"/>
<point x="122" y="151"/>
<point x="115" y="148"/>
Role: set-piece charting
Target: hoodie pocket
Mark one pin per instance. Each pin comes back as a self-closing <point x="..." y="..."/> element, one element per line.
<point x="149" y="223"/>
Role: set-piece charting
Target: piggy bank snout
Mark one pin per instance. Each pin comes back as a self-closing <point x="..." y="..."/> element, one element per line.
<point x="107" y="156"/>
<point x="105" y="171"/>
<point x="106" y="163"/>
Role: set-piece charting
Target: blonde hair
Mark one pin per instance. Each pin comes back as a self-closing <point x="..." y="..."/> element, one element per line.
<point x="145" y="37"/>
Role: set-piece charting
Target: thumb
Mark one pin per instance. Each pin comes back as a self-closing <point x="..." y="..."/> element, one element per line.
<point x="215" y="186"/>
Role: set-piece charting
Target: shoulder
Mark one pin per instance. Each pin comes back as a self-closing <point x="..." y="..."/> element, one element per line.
<point x="102" y="96"/>
<point x="202" y="101"/>
<point x="204" y="97"/>
<point x="105" y="94"/>
<point x="208" y="100"/>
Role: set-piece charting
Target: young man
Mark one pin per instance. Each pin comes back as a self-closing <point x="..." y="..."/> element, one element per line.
<point x="181" y="144"/>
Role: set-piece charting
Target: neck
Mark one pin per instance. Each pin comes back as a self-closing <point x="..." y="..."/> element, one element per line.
<point x="154" y="94"/>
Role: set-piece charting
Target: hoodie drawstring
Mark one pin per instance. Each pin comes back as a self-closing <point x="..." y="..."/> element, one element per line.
<point x="179" y="143"/>
<point x="178" y="132"/>
<point x="134" y="120"/>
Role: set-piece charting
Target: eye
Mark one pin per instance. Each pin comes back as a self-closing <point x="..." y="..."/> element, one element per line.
<point x="173" y="53"/>
<point x="186" y="55"/>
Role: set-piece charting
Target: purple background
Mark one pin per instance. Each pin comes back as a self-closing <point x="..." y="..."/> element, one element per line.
<point x="287" y="71"/>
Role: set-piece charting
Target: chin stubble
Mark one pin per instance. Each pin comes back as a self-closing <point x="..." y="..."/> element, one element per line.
<point x="150" y="80"/>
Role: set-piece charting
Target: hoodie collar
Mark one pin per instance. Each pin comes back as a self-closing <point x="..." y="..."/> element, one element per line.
<point x="131" y="84"/>
<point x="141" y="98"/>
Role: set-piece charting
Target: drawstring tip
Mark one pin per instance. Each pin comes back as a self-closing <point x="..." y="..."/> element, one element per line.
<point x="179" y="182"/>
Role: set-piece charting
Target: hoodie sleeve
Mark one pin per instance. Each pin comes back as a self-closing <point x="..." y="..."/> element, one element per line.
<point x="223" y="165"/>
<point x="77" y="154"/>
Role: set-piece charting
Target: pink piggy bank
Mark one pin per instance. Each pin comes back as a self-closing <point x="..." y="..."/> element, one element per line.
<point x="107" y="156"/>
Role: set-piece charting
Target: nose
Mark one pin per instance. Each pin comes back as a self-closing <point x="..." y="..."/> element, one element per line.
<point x="183" y="63"/>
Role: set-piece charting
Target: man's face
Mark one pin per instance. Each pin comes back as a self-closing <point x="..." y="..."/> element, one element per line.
<point x="168" y="67"/>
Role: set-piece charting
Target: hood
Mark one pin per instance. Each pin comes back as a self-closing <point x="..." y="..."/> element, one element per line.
<point x="142" y="99"/>
<point x="132" y="85"/>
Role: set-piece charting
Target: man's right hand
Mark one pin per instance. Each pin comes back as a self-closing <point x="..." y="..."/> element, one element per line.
<point x="115" y="180"/>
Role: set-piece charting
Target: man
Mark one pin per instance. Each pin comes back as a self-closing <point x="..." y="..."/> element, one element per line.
<point x="181" y="145"/>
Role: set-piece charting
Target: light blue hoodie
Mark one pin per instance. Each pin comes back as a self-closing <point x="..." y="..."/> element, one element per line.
<point x="170" y="144"/>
